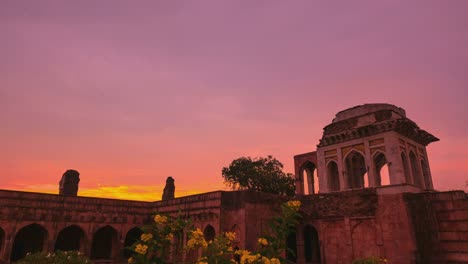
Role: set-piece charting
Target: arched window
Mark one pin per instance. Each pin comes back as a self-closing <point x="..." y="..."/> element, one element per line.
<point x="104" y="243"/>
<point x="381" y="170"/>
<point x="355" y="170"/>
<point x="406" y="170"/>
<point x="291" y="244"/>
<point x="333" y="177"/>
<point x="209" y="233"/>
<point x="426" y="176"/>
<point x="311" y="245"/>
<point x="29" y="239"/>
<point x="132" y="236"/>
<point x="417" y="177"/>
<point x="310" y="179"/>
<point x="70" y="238"/>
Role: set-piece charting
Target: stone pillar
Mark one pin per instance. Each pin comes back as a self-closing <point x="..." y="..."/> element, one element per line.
<point x="322" y="171"/>
<point x="169" y="189"/>
<point x="394" y="162"/>
<point x="7" y="248"/>
<point x="371" y="173"/>
<point x="299" y="184"/>
<point x="69" y="183"/>
<point x="341" y="171"/>
<point x="426" y="159"/>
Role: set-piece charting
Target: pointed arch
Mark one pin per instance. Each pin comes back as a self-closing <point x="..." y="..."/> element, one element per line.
<point x="406" y="170"/>
<point x="308" y="175"/>
<point x="131" y="237"/>
<point x="209" y="233"/>
<point x="355" y="169"/>
<point x="417" y="177"/>
<point x="70" y="238"/>
<point x="31" y="238"/>
<point x="426" y="175"/>
<point x="104" y="243"/>
<point x="381" y="169"/>
<point x="333" y="177"/>
<point x="311" y="245"/>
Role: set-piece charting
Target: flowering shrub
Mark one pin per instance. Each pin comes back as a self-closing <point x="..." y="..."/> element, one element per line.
<point x="217" y="251"/>
<point x="59" y="257"/>
<point x="155" y="242"/>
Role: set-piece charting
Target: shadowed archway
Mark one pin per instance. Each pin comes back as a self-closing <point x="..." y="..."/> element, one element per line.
<point x="417" y="177"/>
<point x="308" y="174"/>
<point x="209" y="233"/>
<point x="381" y="169"/>
<point x="311" y="245"/>
<point x="132" y="236"/>
<point x="31" y="238"/>
<point x="2" y="240"/>
<point x="104" y="243"/>
<point x="70" y="238"/>
<point x="355" y="170"/>
<point x="291" y="243"/>
<point x="333" y="177"/>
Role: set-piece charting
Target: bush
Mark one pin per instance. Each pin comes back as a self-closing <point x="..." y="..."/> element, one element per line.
<point x="59" y="257"/>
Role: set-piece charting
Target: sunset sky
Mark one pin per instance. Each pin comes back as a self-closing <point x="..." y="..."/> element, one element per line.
<point x="130" y="92"/>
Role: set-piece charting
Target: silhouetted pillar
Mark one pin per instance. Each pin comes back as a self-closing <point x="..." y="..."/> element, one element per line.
<point x="169" y="189"/>
<point x="69" y="183"/>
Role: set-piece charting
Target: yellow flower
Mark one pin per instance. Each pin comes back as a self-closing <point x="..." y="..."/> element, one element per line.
<point x="294" y="205"/>
<point x="263" y="241"/>
<point x="160" y="219"/>
<point x="130" y="260"/>
<point x="275" y="261"/>
<point x="197" y="239"/>
<point x="170" y="236"/>
<point x="141" y="249"/>
<point x="265" y="260"/>
<point x="146" y="237"/>
<point x="230" y="235"/>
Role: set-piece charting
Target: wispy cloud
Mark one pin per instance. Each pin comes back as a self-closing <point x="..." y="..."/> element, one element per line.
<point x="126" y="192"/>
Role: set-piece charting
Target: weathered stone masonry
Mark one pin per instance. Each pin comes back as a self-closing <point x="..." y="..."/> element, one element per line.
<point x="350" y="208"/>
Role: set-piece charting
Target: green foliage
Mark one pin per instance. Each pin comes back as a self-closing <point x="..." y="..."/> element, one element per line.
<point x="218" y="251"/>
<point x="259" y="174"/>
<point x="59" y="257"/>
<point x="154" y="244"/>
<point x="370" y="260"/>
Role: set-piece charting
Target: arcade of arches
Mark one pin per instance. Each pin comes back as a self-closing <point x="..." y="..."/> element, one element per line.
<point x="367" y="185"/>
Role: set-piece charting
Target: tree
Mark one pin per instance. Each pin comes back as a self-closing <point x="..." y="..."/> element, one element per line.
<point x="259" y="174"/>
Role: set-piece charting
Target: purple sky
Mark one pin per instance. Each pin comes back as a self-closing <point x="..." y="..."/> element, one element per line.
<point x="129" y="93"/>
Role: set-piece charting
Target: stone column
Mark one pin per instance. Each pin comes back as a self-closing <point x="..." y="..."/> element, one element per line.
<point x="341" y="170"/>
<point x="426" y="159"/>
<point x="393" y="156"/>
<point x="7" y="248"/>
<point x="322" y="171"/>
<point x="371" y="173"/>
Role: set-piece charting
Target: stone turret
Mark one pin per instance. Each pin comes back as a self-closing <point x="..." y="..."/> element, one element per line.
<point x="169" y="189"/>
<point x="68" y="185"/>
<point x="368" y="145"/>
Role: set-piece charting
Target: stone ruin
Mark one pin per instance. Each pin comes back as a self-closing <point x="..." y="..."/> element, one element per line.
<point x="68" y="185"/>
<point x="169" y="189"/>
